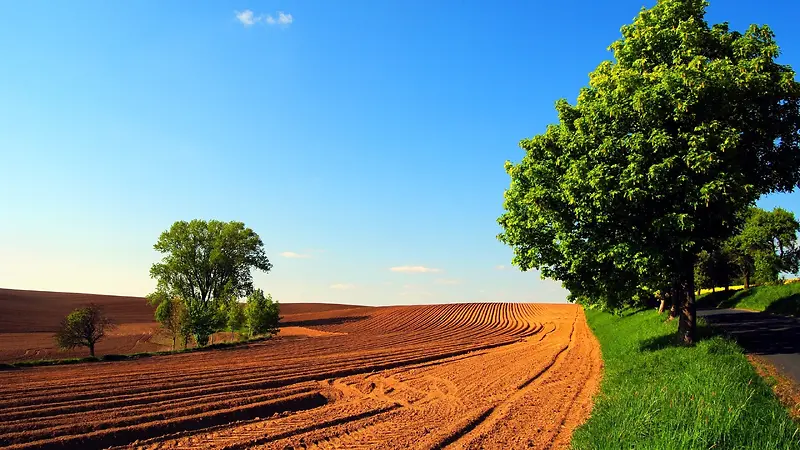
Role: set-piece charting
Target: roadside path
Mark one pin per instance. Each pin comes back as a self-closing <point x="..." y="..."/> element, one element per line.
<point x="776" y="338"/>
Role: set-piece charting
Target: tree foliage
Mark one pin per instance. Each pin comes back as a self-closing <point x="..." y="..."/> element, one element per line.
<point x="766" y="245"/>
<point x="262" y="314"/>
<point x="236" y="318"/>
<point x="653" y="164"/>
<point x="171" y="314"/>
<point x="83" y="327"/>
<point x="207" y="264"/>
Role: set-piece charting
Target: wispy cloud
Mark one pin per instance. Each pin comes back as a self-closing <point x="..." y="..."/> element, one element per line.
<point x="248" y="18"/>
<point x="500" y="267"/>
<point x="343" y="286"/>
<point x="448" y="281"/>
<point x="283" y="19"/>
<point x="414" y="269"/>
<point x="294" y="255"/>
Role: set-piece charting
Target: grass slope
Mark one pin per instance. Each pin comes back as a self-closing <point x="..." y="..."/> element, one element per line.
<point x="655" y="395"/>
<point x="780" y="299"/>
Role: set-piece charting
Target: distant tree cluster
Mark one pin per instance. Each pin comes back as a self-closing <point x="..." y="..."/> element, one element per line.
<point x="660" y="160"/>
<point x="205" y="270"/>
<point x="765" y="247"/>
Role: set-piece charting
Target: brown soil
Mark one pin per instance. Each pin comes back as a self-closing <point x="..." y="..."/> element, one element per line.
<point x="28" y="320"/>
<point x="495" y="376"/>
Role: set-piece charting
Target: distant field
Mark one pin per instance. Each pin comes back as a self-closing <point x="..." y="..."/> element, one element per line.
<point x="494" y="376"/>
<point x="28" y="320"/>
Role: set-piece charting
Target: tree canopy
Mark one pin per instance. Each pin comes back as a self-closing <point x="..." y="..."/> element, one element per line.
<point x="663" y="149"/>
<point x="207" y="264"/>
<point x="83" y="327"/>
<point x="261" y="314"/>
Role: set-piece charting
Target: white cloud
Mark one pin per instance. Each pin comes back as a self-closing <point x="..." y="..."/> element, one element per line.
<point x="282" y="19"/>
<point x="247" y="18"/>
<point x="448" y="281"/>
<point x="294" y="255"/>
<point x="500" y="267"/>
<point x="414" y="269"/>
<point x="343" y="286"/>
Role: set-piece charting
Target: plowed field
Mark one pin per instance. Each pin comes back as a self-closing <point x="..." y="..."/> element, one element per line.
<point x="498" y="376"/>
<point x="28" y="320"/>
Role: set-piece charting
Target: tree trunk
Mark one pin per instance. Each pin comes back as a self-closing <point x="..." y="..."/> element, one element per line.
<point x="662" y="306"/>
<point x="747" y="281"/>
<point x="673" y="297"/>
<point x="727" y="288"/>
<point x="91" y="349"/>
<point x="174" y="341"/>
<point x="713" y="289"/>
<point x="688" y="310"/>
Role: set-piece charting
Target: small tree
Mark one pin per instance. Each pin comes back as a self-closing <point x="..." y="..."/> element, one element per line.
<point x="236" y="317"/>
<point x="83" y="327"/>
<point x="170" y="313"/>
<point x="261" y="313"/>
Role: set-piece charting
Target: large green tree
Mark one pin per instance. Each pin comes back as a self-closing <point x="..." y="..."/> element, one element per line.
<point x="207" y="264"/>
<point x="688" y="126"/>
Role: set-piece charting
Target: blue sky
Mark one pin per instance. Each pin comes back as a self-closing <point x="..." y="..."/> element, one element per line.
<point x="354" y="137"/>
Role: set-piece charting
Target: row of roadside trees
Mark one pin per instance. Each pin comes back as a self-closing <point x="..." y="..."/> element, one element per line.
<point x="658" y="160"/>
<point x="761" y="252"/>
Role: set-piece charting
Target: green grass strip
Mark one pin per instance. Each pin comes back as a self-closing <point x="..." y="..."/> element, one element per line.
<point x="655" y="395"/>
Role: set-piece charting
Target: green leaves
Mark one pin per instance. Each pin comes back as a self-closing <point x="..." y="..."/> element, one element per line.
<point x="83" y="327"/>
<point x="663" y="149"/>
<point x="261" y="314"/>
<point x="207" y="265"/>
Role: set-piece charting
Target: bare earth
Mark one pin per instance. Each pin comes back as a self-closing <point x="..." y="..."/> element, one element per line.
<point x="494" y="376"/>
<point x="28" y="320"/>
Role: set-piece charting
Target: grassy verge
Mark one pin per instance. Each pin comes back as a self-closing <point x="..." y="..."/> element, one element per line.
<point x="655" y="395"/>
<point x="127" y="357"/>
<point x="780" y="299"/>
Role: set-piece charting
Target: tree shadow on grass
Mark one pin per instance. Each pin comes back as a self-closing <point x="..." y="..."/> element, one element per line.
<point x="788" y="306"/>
<point x="719" y="299"/>
<point x="667" y="340"/>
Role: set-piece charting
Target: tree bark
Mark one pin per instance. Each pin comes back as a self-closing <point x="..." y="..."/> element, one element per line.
<point x="662" y="306"/>
<point x="91" y="349"/>
<point x="688" y="311"/>
<point x="747" y="281"/>
<point x="673" y="297"/>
